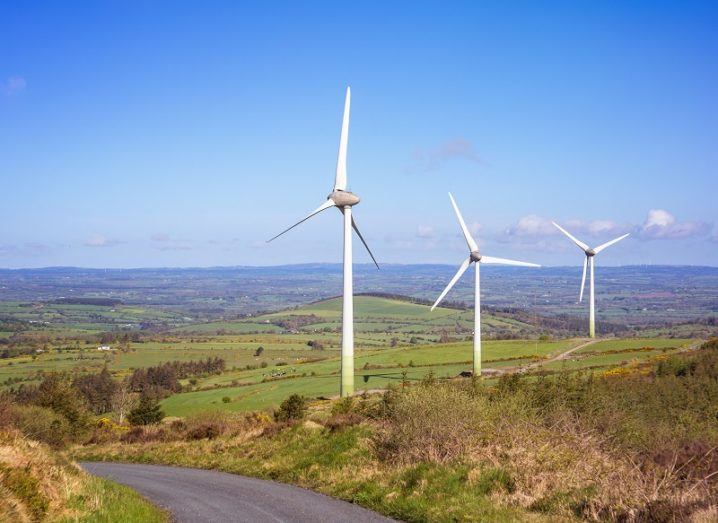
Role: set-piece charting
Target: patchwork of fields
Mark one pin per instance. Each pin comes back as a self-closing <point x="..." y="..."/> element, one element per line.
<point x="271" y="356"/>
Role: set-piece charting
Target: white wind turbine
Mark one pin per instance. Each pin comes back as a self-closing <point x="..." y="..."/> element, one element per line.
<point x="344" y="201"/>
<point x="590" y="253"/>
<point x="478" y="259"/>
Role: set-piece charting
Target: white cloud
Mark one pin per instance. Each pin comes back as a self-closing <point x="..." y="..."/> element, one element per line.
<point x="532" y="225"/>
<point x="662" y="225"/>
<point x="432" y="158"/>
<point x="426" y="232"/>
<point x="13" y="85"/>
<point x="99" y="240"/>
<point x="96" y="240"/>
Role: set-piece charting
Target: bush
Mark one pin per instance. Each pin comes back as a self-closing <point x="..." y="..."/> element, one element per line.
<point x="134" y="435"/>
<point x="148" y="412"/>
<point x="226" y="399"/>
<point x="341" y="421"/>
<point x="292" y="409"/>
<point x="206" y="431"/>
<point x="42" y="424"/>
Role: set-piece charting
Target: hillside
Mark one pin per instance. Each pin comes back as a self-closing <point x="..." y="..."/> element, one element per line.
<point x="375" y="317"/>
<point x="634" y="445"/>
<point x="39" y="484"/>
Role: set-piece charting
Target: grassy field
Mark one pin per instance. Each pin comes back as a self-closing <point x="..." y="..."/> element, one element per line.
<point x="264" y="388"/>
<point x="396" y="341"/>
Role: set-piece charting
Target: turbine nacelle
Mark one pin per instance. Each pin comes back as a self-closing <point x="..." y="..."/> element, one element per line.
<point x="475" y="256"/>
<point x="590" y="252"/>
<point x="343" y="198"/>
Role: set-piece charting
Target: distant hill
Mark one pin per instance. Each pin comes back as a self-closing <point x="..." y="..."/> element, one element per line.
<point x="630" y="296"/>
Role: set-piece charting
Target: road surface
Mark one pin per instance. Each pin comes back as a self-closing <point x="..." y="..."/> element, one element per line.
<point x="198" y="496"/>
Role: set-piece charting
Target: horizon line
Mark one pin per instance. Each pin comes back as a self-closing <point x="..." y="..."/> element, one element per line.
<point x="306" y="264"/>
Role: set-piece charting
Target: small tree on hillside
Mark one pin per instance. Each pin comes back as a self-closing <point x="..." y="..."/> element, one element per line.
<point x="293" y="408"/>
<point x="123" y="401"/>
<point x="147" y="412"/>
<point x="259" y="351"/>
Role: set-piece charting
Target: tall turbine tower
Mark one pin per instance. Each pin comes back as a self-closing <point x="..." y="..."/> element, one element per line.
<point x="344" y="201"/>
<point x="590" y="253"/>
<point x="478" y="259"/>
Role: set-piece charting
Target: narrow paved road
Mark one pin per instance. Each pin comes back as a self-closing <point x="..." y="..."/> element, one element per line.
<point x="198" y="496"/>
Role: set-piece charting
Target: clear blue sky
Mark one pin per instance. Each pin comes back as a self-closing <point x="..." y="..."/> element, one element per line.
<point x="186" y="133"/>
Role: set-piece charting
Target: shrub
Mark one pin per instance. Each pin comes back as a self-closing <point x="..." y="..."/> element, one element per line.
<point x="148" y="412"/>
<point x="226" y="399"/>
<point x="134" y="435"/>
<point x="438" y="424"/>
<point x="292" y="409"/>
<point x="341" y="421"/>
<point x="206" y="431"/>
<point x="42" y="424"/>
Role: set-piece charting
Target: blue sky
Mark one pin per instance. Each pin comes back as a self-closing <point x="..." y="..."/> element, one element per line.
<point x="186" y="133"/>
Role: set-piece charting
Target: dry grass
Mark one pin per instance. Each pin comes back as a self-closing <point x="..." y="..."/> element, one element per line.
<point x="39" y="484"/>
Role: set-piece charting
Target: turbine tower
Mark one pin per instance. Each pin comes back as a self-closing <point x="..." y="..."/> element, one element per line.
<point x="344" y="201"/>
<point x="590" y="253"/>
<point x="478" y="259"/>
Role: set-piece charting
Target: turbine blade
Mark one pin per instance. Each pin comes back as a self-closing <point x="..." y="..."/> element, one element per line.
<point x="608" y="244"/>
<point x="356" y="229"/>
<point x="583" y="279"/>
<point x="504" y="261"/>
<point x="580" y="244"/>
<point x="325" y="205"/>
<point x="469" y="240"/>
<point x="340" y="182"/>
<point x="462" y="270"/>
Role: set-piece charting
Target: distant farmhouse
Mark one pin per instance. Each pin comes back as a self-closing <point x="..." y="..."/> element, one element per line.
<point x="104" y="347"/>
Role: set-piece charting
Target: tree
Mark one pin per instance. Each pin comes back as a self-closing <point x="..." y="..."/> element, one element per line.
<point x="123" y="401"/>
<point x="293" y="408"/>
<point x="259" y="351"/>
<point x="147" y="412"/>
<point x="97" y="389"/>
<point x="56" y="393"/>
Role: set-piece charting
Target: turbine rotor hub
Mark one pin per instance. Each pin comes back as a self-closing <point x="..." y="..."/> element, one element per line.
<point x="590" y="253"/>
<point x="475" y="256"/>
<point x="343" y="198"/>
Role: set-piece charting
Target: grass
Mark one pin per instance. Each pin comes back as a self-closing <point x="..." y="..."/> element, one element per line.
<point x="255" y="389"/>
<point x="640" y="446"/>
<point x="103" y="501"/>
<point x="340" y="464"/>
<point x="39" y="484"/>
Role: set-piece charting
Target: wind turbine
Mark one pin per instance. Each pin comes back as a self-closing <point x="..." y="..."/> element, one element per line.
<point x="478" y="259"/>
<point x="344" y="201"/>
<point x="590" y="253"/>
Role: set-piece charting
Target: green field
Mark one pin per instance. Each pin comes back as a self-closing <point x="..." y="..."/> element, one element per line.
<point x="395" y="341"/>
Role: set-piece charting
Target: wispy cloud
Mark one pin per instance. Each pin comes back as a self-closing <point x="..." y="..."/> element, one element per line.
<point x="164" y="242"/>
<point x="430" y="159"/>
<point x="100" y="240"/>
<point x="425" y="232"/>
<point x="160" y="237"/>
<point x="13" y="85"/>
